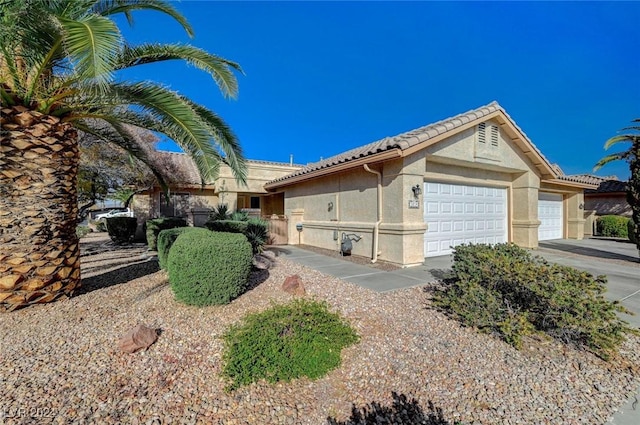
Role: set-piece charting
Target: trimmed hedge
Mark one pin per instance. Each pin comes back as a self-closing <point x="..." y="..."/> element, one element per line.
<point x="207" y="268"/>
<point x="122" y="229"/>
<point x="505" y="290"/>
<point x="254" y="229"/>
<point x="631" y="231"/>
<point x="613" y="226"/>
<point x="166" y="238"/>
<point x="156" y="225"/>
<point x="229" y="226"/>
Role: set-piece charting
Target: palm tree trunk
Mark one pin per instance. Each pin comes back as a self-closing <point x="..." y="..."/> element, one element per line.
<point x="39" y="252"/>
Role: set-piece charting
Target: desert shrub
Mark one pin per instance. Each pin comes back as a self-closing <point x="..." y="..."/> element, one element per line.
<point x="166" y="238"/>
<point x="302" y="338"/>
<point x="505" y="290"/>
<point x="221" y="212"/>
<point x="156" y="225"/>
<point x="229" y="226"/>
<point x="82" y="231"/>
<point x="101" y="225"/>
<point x="257" y="234"/>
<point x="631" y="231"/>
<point x="613" y="226"/>
<point x="239" y="216"/>
<point x="254" y="229"/>
<point x="207" y="268"/>
<point x="122" y="229"/>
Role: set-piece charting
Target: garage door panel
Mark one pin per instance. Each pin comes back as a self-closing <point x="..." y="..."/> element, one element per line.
<point x="464" y="214"/>
<point x="551" y="216"/>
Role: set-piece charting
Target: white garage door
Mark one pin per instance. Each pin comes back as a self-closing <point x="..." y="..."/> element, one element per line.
<point x="551" y="216"/>
<point x="457" y="214"/>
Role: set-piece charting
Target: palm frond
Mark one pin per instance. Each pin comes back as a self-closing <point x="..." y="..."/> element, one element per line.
<point x="93" y="43"/>
<point x="610" y="158"/>
<point x="207" y="160"/>
<point x="225" y="139"/>
<point x="218" y="67"/>
<point x="619" y="139"/>
<point x="112" y="7"/>
<point x="167" y="112"/>
<point x="113" y="131"/>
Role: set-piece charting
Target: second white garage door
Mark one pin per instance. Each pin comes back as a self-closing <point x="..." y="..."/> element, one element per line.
<point x="457" y="214"/>
<point x="551" y="216"/>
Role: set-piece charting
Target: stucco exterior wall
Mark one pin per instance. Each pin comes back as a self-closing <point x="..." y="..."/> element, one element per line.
<point x="608" y="203"/>
<point x="346" y="202"/>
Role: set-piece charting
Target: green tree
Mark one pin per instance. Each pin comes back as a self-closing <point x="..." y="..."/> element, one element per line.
<point x="632" y="157"/>
<point x="106" y="170"/>
<point x="59" y="63"/>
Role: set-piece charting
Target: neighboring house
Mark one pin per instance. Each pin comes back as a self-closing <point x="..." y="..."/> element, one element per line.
<point x="190" y="199"/>
<point x="472" y="178"/>
<point x="608" y="198"/>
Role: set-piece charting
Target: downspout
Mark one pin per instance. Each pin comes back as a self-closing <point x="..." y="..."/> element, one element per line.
<point x="376" y="226"/>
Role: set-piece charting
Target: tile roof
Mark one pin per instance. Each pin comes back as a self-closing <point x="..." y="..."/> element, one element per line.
<point x="407" y="140"/>
<point x="604" y="184"/>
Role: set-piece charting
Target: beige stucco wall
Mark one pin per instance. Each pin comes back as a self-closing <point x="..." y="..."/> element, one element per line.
<point x="608" y="203"/>
<point x="347" y="201"/>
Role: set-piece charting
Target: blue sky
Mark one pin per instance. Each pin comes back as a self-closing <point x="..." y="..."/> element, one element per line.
<point x="324" y="77"/>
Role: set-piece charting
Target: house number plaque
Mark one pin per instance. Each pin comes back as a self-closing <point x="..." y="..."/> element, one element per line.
<point x="414" y="204"/>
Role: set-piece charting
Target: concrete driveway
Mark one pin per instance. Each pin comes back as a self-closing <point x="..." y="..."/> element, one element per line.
<point x="616" y="259"/>
<point x="619" y="262"/>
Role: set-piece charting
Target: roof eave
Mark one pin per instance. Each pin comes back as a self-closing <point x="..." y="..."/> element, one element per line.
<point x="347" y="165"/>
<point x="568" y="183"/>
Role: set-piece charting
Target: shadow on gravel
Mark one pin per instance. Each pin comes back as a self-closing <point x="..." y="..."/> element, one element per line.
<point x="402" y="411"/>
<point x="117" y="276"/>
<point x="590" y="252"/>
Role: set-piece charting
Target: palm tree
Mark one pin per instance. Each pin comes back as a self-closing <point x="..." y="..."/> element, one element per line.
<point x="632" y="157"/>
<point x="59" y="60"/>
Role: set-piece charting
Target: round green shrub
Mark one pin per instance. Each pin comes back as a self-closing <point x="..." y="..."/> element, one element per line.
<point x="612" y="226"/>
<point x="166" y="238"/>
<point x="631" y="231"/>
<point x="302" y="338"/>
<point x="122" y="229"/>
<point x="208" y="268"/>
<point x="156" y="225"/>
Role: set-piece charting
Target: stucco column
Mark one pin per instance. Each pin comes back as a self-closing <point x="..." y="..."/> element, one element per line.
<point x="574" y="204"/>
<point x="296" y="237"/>
<point x="402" y="229"/>
<point x="524" y="210"/>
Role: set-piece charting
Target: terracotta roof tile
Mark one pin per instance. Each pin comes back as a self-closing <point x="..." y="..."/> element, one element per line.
<point x="406" y="140"/>
<point x="605" y="184"/>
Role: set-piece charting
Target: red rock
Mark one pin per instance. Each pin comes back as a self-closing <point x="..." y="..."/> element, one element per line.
<point x="139" y="337"/>
<point x="293" y="285"/>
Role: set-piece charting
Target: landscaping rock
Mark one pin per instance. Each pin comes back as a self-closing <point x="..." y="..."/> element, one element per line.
<point x="137" y="338"/>
<point x="293" y="285"/>
<point x="261" y="262"/>
<point x="270" y="255"/>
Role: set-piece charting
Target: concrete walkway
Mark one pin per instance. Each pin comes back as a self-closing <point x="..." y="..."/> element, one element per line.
<point x="615" y="259"/>
<point x="365" y="276"/>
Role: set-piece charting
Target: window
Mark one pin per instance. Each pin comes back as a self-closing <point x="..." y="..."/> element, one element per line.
<point x="176" y="207"/>
<point x="255" y="202"/>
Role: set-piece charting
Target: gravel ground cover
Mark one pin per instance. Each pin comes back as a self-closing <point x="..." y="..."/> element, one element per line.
<point x="59" y="363"/>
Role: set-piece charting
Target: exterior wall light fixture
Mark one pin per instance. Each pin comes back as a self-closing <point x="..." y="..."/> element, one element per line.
<point x="417" y="191"/>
